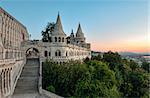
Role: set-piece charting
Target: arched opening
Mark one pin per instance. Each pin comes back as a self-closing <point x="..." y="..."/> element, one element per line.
<point x="55" y="39"/>
<point x="32" y="53"/>
<point x="45" y="53"/>
<point x="58" y="53"/>
<point x="59" y="39"/>
<point x="63" y="39"/>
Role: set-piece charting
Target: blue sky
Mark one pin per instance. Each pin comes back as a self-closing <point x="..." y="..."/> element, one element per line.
<point x="118" y="25"/>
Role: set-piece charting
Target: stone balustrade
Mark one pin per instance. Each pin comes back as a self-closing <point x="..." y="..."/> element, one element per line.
<point x="10" y="70"/>
<point x="6" y="61"/>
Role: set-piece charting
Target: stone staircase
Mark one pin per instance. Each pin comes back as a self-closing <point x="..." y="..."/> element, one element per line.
<point x="27" y="85"/>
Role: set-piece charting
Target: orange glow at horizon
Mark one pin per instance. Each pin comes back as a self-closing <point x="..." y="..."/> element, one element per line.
<point x="121" y="46"/>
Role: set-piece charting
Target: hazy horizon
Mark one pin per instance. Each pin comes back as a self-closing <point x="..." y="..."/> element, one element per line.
<point x="116" y="25"/>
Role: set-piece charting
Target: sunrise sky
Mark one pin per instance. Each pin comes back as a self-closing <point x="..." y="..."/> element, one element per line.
<point x="117" y="25"/>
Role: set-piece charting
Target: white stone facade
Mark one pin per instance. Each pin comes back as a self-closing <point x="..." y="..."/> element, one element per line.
<point x="62" y="48"/>
<point x="12" y="57"/>
<point x="15" y="46"/>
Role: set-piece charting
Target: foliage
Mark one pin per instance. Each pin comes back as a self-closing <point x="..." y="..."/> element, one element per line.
<point x="132" y="80"/>
<point x="146" y="66"/>
<point x="109" y="76"/>
<point x="74" y="79"/>
<point x="47" y="32"/>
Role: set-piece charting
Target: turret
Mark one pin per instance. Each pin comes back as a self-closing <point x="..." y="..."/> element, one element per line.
<point x="58" y="34"/>
<point x="79" y="35"/>
<point x="58" y="29"/>
<point x="72" y="34"/>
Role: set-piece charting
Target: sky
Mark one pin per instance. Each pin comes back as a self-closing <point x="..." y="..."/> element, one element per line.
<point x="116" y="25"/>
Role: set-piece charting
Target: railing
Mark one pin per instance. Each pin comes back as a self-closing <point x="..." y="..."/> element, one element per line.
<point x="7" y="61"/>
<point x="60" y="58"/>
<point x="10" y="70"/>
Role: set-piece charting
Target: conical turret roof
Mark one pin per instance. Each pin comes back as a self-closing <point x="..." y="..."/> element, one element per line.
<point x="79" y="32"/>
<point x="58" y="30"/>
<point x="58" y="23"/>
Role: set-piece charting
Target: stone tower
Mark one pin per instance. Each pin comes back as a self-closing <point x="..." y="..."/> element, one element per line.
<point x="58" y="34"/>
<point x="80" y="35"/>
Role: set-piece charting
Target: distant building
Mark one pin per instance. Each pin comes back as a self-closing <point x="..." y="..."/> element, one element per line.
<point x="96" y="53"/>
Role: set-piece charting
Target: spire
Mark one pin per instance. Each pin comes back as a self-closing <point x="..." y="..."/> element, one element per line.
<point x="58" y="29"/>
<point x="72" y="34"/>
<point x="72" y="31"/>
<point x="58" y="22"/>
<point x="79" y="32"/>
<point x="79" y="28"/>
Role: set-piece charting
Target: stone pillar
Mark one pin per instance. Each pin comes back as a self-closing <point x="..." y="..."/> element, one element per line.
<point x="5" y="78"/>
<point x="0" y="85"/>
<point x="9" y="80"/>
<point x="2" y="76"/>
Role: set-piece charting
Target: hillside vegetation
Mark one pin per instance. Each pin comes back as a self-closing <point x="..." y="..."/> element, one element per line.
<point x="107" y="76"/>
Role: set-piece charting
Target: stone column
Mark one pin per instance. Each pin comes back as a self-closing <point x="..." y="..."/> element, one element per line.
<point x="9" y="80"/>
<point x="0" y="85"/>
<point x="5" y="76"/>
<point x="2" y="76"/>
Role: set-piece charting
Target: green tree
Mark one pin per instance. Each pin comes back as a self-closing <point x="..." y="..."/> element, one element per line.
<point x="146" y="66"/>
<point x="47" y="32"/>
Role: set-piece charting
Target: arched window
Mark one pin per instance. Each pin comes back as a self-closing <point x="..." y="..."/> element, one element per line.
<point x="58" y="53"/>
<point x="66" y="54"/>
<point x="45" y="53"/>
<point x="63" y="39"/>
<point x="55" y="39"/>
<point x="59" y="39"/>
<point x="49" y="53"/>
<point x="50" y="39"/>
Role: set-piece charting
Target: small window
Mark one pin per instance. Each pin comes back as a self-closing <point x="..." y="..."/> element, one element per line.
<point x="56" y="53"/>
<point x="45" y="53"/>
<point x="59" y="39"/>
<point x="63" y="39"/>
<point x="59" y="53"/>
<point x="50" y="39"/>
<point x="55" y="39"/>
<point x="49" y="53"/>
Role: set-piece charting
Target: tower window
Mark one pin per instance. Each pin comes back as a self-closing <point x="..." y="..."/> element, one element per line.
<point x="63" y="39"/>
<point x="55" y="39"/>
<point x="59" y="39"/>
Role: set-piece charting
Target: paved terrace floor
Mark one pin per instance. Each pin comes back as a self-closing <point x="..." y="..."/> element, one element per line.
<point x="27" y="85"/>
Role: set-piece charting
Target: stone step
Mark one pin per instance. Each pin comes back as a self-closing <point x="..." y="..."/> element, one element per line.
<point x="30" y="72"/>
<point x="26" y="91"/>
<point x="28" y="81"/>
